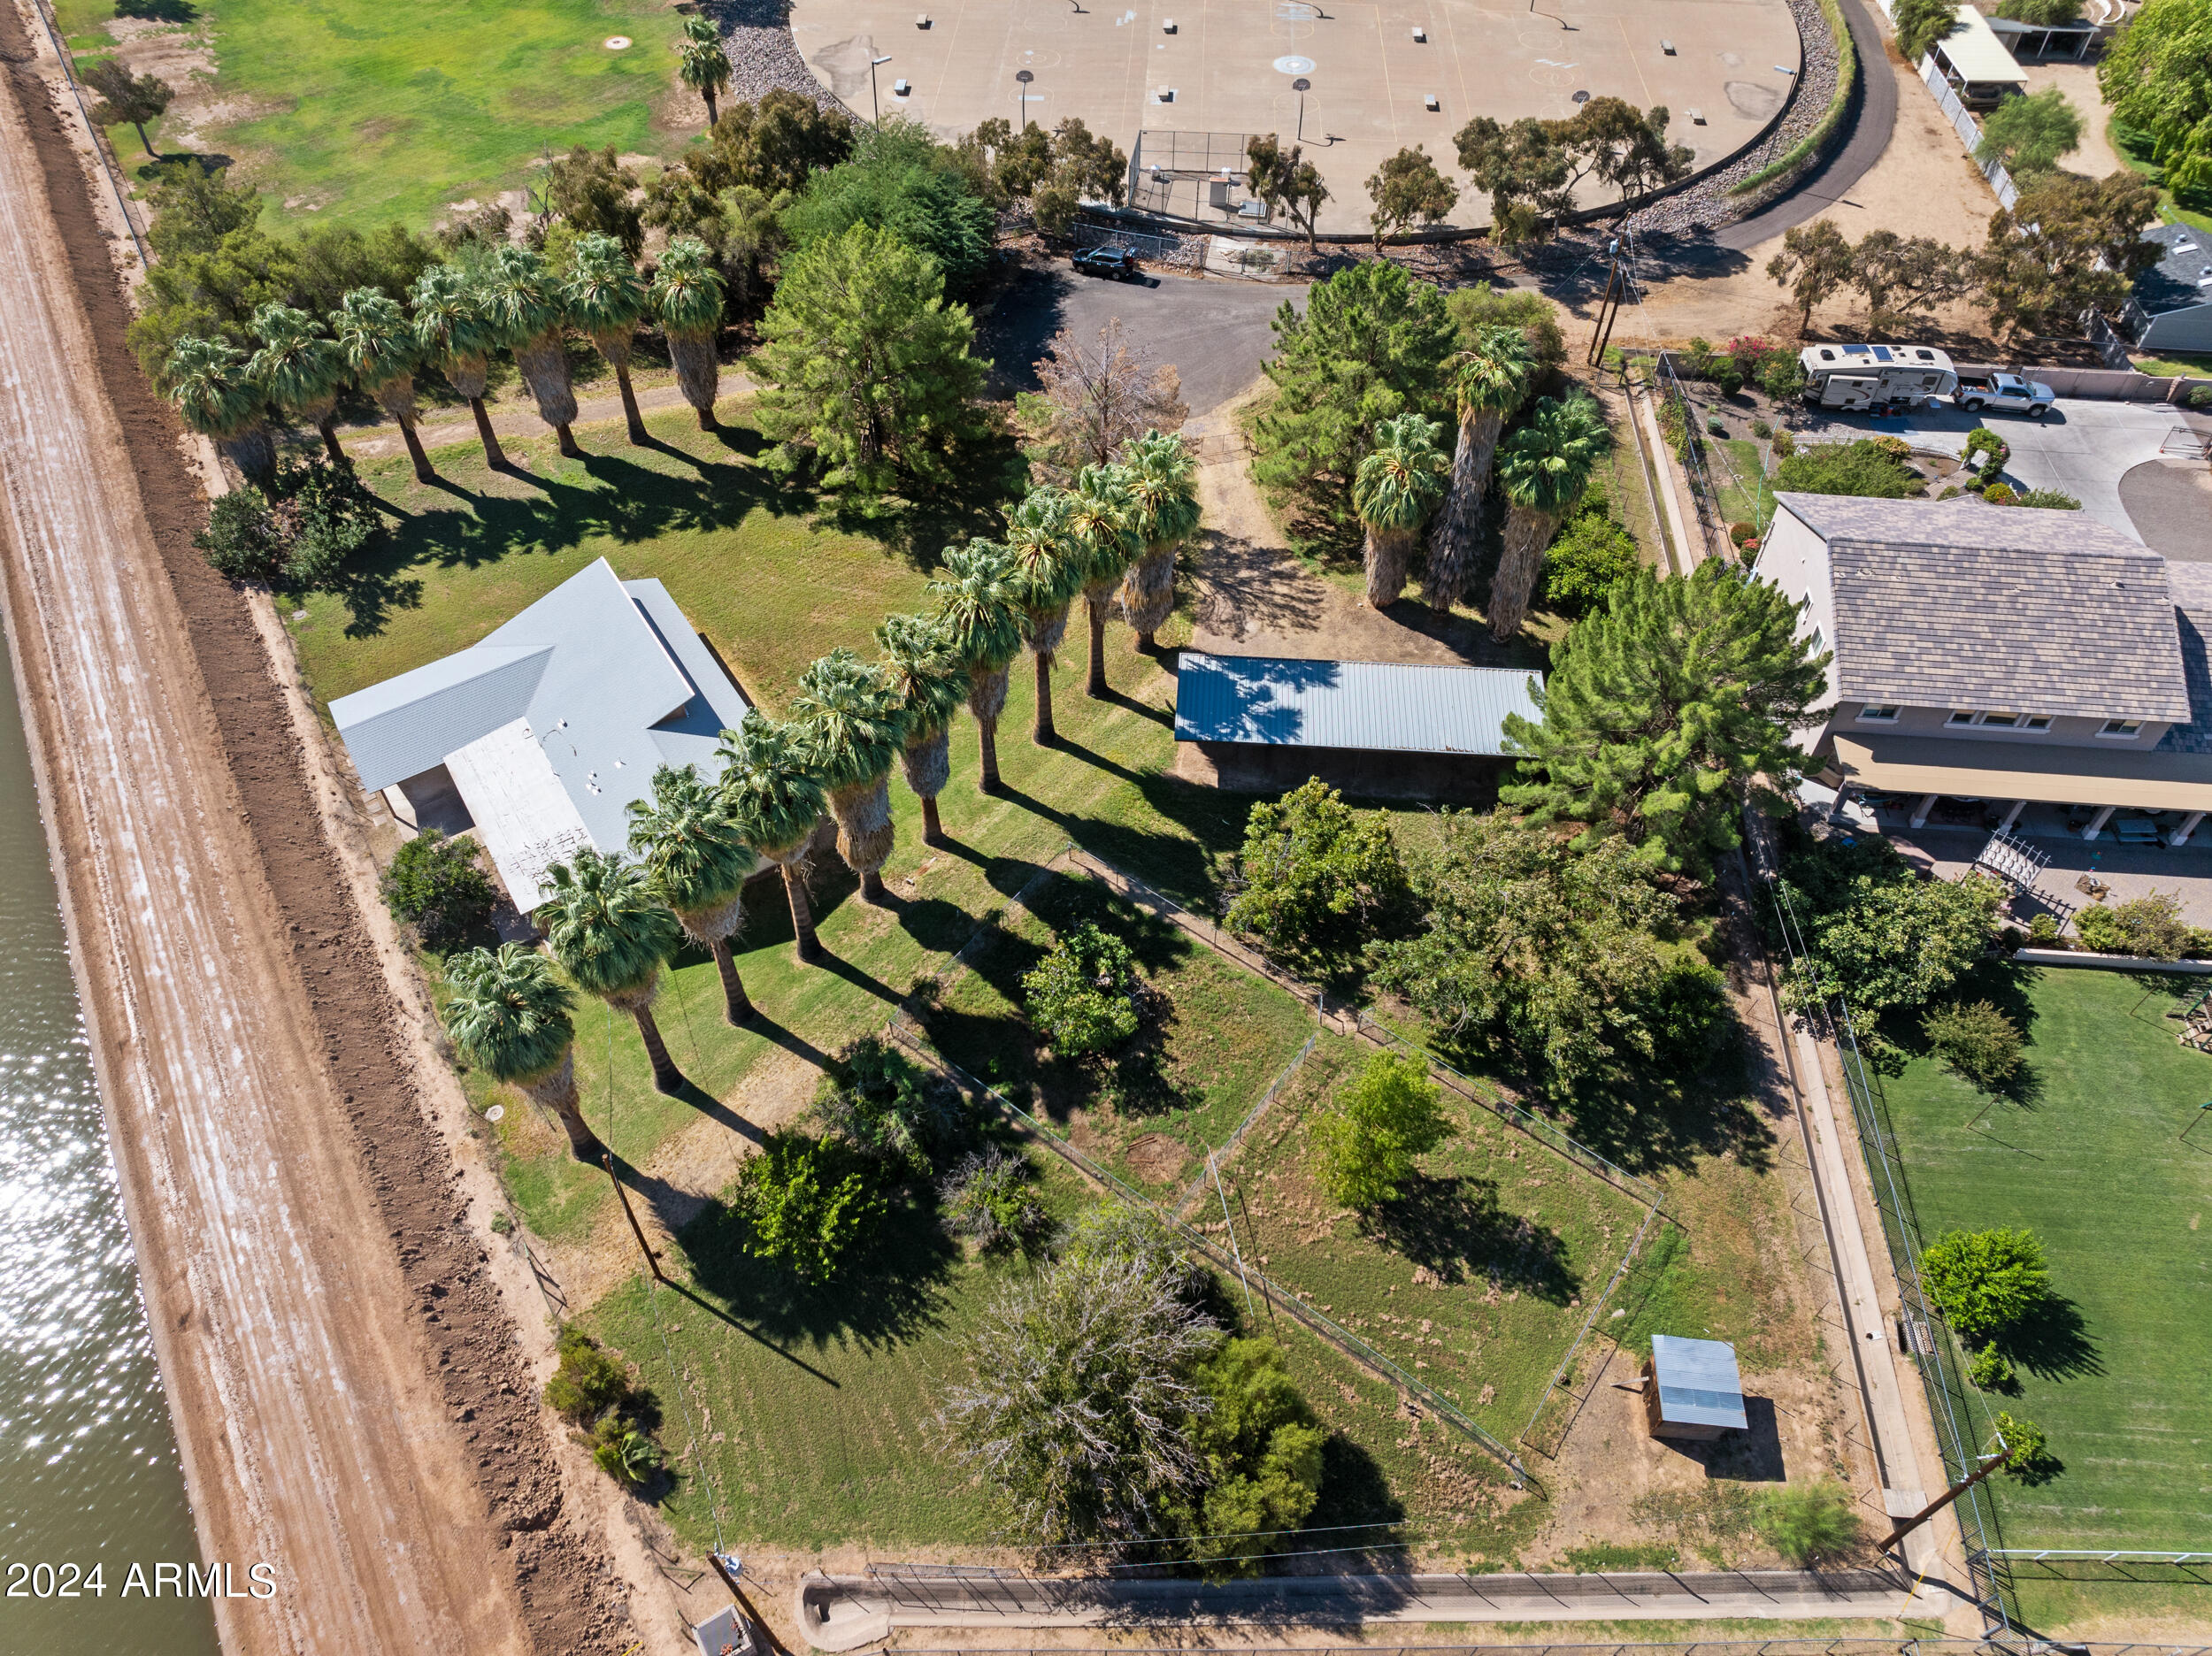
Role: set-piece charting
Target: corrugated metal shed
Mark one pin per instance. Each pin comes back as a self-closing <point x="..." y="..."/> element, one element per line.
<point x="1698" y="1382"/>
<point x="1388" y="706"/>
<point x="1977" y="53"/>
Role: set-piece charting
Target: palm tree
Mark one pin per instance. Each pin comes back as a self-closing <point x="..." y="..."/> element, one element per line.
<point x="979" y="606"/>
<point x="698" y="863"/>
<point x="1162" y="483"/>
<point x="854" y="727"/>
<point x="926" y="671"/>
<point x="607" y="298"/>
<point x="1103" y="520"/>
<point x="1489" y="381"/>
<point x="215" y="396"/>
<point x="456" y="331"/>
<point x="1049" y="565"/>
<point x="705" y="66"/>
<point x="510" y="1018"/>
<point x="687" y="297"/>
<point x="774" y="799"/>
<point x="381" y="351"/>
<point x="1543" y="467"/>
<point x="531" y="312"/>
<point x="1393" y="492"/>
<point x="300" y="369"/>
<point x="611" y="935"/>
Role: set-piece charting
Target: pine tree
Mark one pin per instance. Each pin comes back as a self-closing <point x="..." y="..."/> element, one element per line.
<point x="1661" y="711"/>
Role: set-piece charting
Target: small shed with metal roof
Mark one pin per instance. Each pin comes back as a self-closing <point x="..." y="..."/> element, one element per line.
<point x="1976" y="64"/>
<point x="1692" y="1390"/>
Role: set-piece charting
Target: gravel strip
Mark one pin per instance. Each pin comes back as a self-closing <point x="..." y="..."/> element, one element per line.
<point x="756" y="35"/>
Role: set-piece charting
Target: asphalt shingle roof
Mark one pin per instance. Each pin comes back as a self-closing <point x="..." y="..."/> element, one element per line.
<point x="1960" y="603"/>
<point x="2176" y="282"/>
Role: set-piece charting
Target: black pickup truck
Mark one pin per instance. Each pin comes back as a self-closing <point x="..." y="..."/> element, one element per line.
<point x="1120" y="263"/>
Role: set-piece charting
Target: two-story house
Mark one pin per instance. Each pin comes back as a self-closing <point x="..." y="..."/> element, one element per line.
<point x="2005" y="654"/>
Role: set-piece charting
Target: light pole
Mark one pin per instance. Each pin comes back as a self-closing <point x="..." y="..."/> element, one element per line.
<point x="874" y="98"/>
<point x="1301" y="86"/>
<point x="1022" y="78"/>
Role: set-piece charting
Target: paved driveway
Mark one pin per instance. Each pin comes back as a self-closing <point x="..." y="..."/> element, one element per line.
<point x="2083" y="445"/>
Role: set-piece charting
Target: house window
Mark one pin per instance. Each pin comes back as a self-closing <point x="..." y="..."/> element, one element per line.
<point x="2121" y="729"/>
<point x="1819" y="644"/>
<point x="1884" y="715"/>
<point x="2036" y="721"/>
<point x="1961" y="716"/>
<point x="2002" y="721"/>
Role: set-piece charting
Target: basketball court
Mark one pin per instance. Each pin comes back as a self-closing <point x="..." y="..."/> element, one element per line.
<point x="1209" y="72"/>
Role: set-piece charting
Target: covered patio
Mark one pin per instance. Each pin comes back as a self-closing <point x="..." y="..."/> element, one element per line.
<point x="2155" y="799"/>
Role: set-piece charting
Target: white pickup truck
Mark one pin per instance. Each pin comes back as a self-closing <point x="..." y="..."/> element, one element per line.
<point x="2031" y="397"/>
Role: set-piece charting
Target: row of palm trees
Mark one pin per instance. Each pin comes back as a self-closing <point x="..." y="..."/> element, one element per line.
<point x="456" y="320"/>
<point x="611" y="922"/>
<point x="1543" y="468"/>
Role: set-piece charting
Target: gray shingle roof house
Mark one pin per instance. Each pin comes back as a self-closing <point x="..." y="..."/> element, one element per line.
<point x="2000" y="653"/>
<point x="2171" y="307"/>
<point x="551" y="725"/>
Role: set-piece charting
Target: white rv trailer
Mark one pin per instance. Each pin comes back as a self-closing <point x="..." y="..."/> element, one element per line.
<point x="1860" y="377"/>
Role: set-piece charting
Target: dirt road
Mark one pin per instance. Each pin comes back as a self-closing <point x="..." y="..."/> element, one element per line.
<point x="345" y="1401"/>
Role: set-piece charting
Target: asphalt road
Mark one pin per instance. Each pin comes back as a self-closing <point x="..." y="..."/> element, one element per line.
<point x="1214" y="330"/>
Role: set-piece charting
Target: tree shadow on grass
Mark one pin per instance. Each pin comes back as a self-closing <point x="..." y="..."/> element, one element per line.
<point x="1648" y="1121"/>
<point x="986" y="477"/>
<point x="2052" y="1341"/>
<point x="1455" y="1227"/>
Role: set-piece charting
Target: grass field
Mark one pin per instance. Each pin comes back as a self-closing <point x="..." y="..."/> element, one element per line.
<point x="1739" y="476"/>
<point x="2087" y="1154"/>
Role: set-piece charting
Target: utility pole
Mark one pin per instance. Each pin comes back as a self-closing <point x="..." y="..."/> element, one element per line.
<point x="1609" y="307"/>
<point x="1906" y="1526"/>
<point x="652" y="1259"/>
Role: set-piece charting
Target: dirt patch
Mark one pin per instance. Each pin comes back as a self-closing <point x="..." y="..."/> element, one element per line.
<point x="1156" y="1158"/>
<point x="560" y="1578"/>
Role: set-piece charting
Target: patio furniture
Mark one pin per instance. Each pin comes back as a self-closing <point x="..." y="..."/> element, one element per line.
<point x="2136" y="831"/>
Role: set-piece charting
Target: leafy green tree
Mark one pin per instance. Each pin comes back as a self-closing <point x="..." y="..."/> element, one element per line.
<point x="2151" y="927"/>
<point x="243" y="539"/>
<point x="1075" y="1419"/>
<point x="510" y="1016"/>
<point x="2027" y="1450"/>
<point x="1921" y="24"/>
<point x="806" y="1203"/>
<point x="868" y="368"/>
<point x="852" y="725"/>
<point x="608" y="929"/>
<point x="300" y="369"/>
<point x="1862" y="467"/>
<point x="1083" y="167"/>
<point x="381" y="353"/>
<point x="590" y="192"/>
<point x="991" y="1196"/>
<point x="1049" y="564"/>
<point x="1593" y="555"/>
<point x="589" y="1382"/>
<point x="528" y="306"/>
<point x="1991" y="1370"/>
<point x="1396" y="488"/>
<point x="1543" y="468"/>
<point x="774" y="145"/>
<point x="1878" y="933"/>
<point x="1163" y="492"/>
<point x="1489" y="379"/>
<point x="1809" y="1524"/>
<point x="326" y="515"/>
<point x="1316" y="880"/>
<point x="1975" y="1038"/>
<point x="1627" y="148"/>
<point x="2042" y="13"/>
<point x="1985" y="1281"/>
<point x="886" y="1106"/>
<point x="2157" y="77"/>
<point x="1475" y="310"/>
<point x="687" y="297"/>
<point x="1019" y="161"/>
<point x="1371" y="344"/>
<point x="327" y="262"/>
<point x="1279" y="177"/>
<point x="1527" y="172"/>
<point x="607" y="298"/>
<point x="438" y="886"/>
<point x="1082" y="996"/>
<point x="932" y="682"/>
<point x="2030" y="134"/>
<point x="702" y="64"/>
<point x="774" y="799"/>
<point x="979" y="607"/>
<point x="2066" y="244"/>
<point x="209" y="385"/>
<point x="909" y="190"/>
<point x="698" y="863"/>
<point x="1263" y="1449"/>
<point x="126" y="97"/>
<point x="1102" y="524"/>
<point x="1407" y="187"/>
<point x="1815" y="263"/>
<point x="1901" y="276"/>
<point x="1660" y="711"/>
<point x="1367" y="1139"/>
<point x="456" y="330"/>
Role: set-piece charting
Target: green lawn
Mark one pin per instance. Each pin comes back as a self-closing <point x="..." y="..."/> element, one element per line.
<point x="2189" y="365"/>
<point x="1740" y="479"/>
<point x="2135" y="151"/>
<point x="2088" y="1155"/>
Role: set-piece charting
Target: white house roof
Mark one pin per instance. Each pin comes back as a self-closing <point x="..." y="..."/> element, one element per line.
<point x="1977" y="53"/>
<point x="554" y="722"/>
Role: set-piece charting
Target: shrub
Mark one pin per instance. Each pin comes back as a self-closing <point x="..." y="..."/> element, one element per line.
<point x="1593" y="554"/>
<point x="1895" y="448"/>
<point x="2043" y="929"/>
<point x="1716" y="426"/>
<point x="1727" y="377"/>
<point x="1366" y="1140"/>
<point x="2001" y="494"/>
<point x="438" y="885"/>
<point x="241" y="539"/>
<point x="1983" y="1281"/>
<point x="589" y="1382"/>
<point x="2032" y="1461"/>
<point x="1081" y="998"/>
<point x="2151" y="927"/>
<point x="1751" y="355"/>
<point x="1785" y="444"/>
<point x="1992" y="1370"/>
<point x="1951" y="491"/>
<point x="1782" y="377"/>
<point x="1809" y="1523"/>
<point x="1983" y="441"/>
<point x="805" y="1202"/>
<point x="2200" y="397"/>
<point x="328" y="515"/>
<point x="1114" y="1232"/>
<point x="2050" y="499"/>
<point x="875" y="1098"/>
<point x="1318" y="879"/>
<point x="624" y="1453"/>
<point x="1863" y="467"/>
<point x="988" y="1196"/>
<point x="1762" y="428"/>
<point x="1975" y="1039"/>
<point x="1738" y="532"/>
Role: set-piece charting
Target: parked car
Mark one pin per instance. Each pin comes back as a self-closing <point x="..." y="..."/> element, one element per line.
<point x="2031" y="397"/>
<point x="1120" y="263"/>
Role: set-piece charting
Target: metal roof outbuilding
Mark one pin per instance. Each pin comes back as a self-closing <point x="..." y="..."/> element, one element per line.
<point x="1389" y="707"/>
<point x="1694" y="1389"/>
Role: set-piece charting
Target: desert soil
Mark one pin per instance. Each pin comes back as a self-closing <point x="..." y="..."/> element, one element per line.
<point x="348" y="1393"/>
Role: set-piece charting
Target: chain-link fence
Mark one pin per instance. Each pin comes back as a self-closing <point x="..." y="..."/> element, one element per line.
<point x="1177" y="252"/>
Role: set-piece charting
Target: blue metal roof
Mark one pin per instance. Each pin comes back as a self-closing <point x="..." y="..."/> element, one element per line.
<point x="1390" y="707"/>
<point x="1698" y="1382"/>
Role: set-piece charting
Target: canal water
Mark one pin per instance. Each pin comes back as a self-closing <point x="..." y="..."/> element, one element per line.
<point x="88" y="1469"/>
